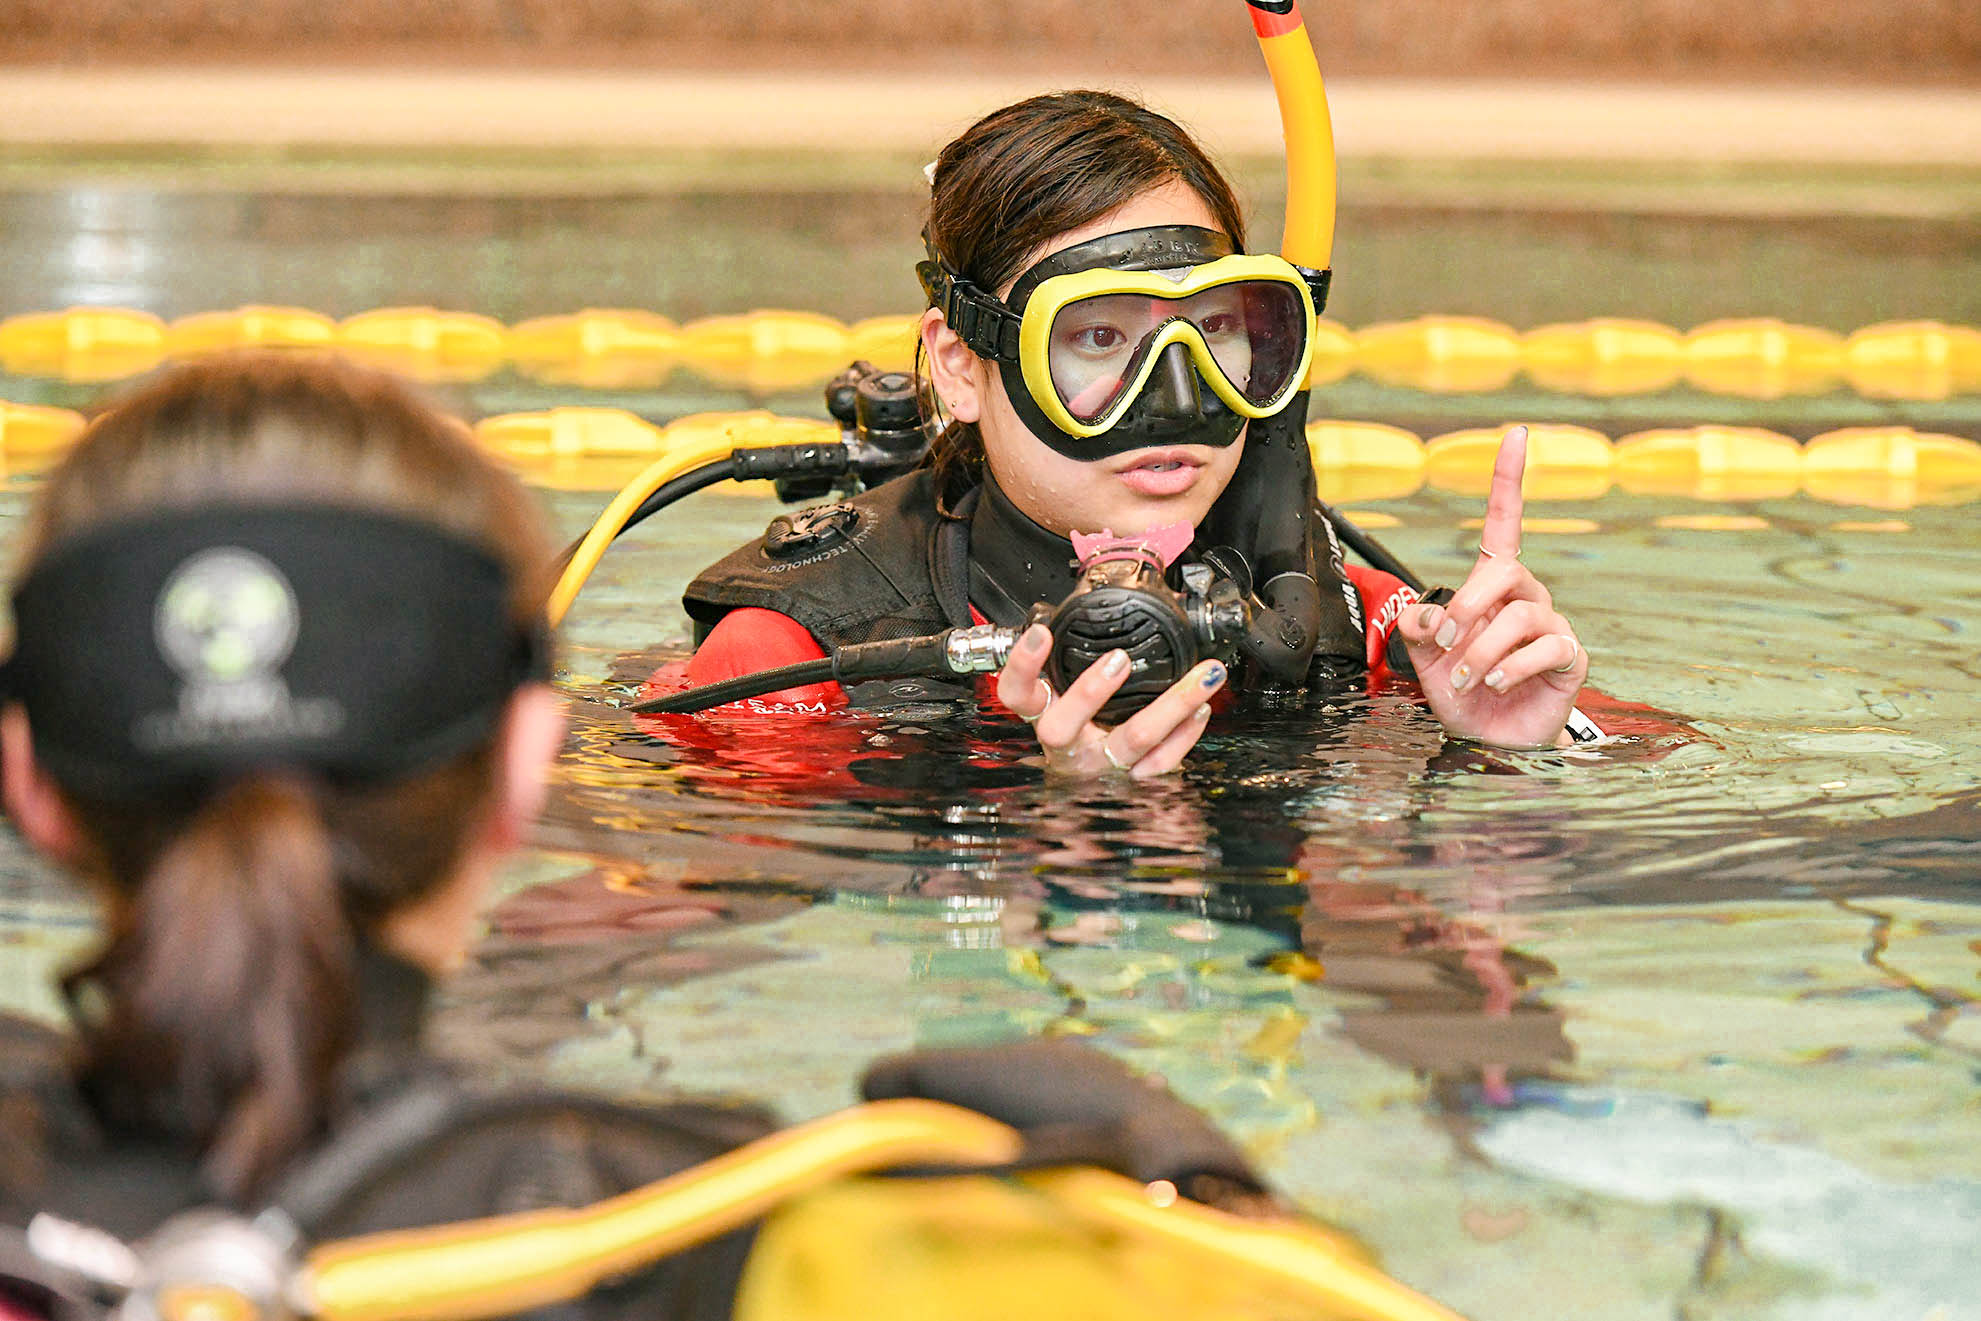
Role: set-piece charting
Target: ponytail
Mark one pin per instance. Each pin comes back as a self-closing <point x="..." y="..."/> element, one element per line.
<point x="225" y="997"/>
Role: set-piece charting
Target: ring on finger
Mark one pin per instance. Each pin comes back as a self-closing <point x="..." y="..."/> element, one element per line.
<point x="1574" y="652"/>
<point x="1493" y="555"/>
<point x="1112" y="760"/>
<point x="1039" y="715"/>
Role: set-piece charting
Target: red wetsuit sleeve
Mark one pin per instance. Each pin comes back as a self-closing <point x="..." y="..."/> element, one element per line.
<point x="746" y="641"/>
<point x="1384" y="599"/>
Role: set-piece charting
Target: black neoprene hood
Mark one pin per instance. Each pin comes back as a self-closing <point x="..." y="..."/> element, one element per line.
<point x="197" y="644"/>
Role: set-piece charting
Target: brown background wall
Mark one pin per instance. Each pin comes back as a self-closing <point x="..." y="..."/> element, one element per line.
<point x="1936" y="41"/>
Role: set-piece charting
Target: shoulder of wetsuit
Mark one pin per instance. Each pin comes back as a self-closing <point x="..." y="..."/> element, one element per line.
<point x="59" y="1157"/>
<point x="441" y="1143"/>
<point x="502" y="1150"/>
<point x="858" y="570"/>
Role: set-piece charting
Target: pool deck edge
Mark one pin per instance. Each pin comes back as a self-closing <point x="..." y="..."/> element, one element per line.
<point x="670" y="110"/>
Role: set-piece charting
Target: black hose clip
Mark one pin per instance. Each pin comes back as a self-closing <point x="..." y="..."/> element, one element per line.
<point x="885" y="424"/>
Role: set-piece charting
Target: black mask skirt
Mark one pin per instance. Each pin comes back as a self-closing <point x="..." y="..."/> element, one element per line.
<point x="188" y="647"/>
<point x="1177" y="408"/>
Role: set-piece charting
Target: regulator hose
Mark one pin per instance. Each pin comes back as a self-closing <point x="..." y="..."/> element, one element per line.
<point x="894" y="658"/>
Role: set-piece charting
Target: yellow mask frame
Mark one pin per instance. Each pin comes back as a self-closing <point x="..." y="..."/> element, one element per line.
<point x="1055" y="294"/>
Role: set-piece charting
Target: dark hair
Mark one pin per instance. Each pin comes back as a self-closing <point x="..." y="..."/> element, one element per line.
<point x="1023" y="175"/>
<point x="224" y="999"/>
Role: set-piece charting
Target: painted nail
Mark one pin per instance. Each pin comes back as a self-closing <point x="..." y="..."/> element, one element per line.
<point x="1460" y="677"/>
<point x="1203" y="713"/>
<point x="1214" y="675"/>
<point x="1037" y="638"/>
<point x="1428" y="616"/>
<point x="1495" y="680"/>
<point x="1447" y="635"/>
<point x="1115" y="662"/>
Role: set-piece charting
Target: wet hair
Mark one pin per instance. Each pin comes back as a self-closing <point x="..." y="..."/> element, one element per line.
<point x="1023" y="175"/>
<point x="224" y="997"/>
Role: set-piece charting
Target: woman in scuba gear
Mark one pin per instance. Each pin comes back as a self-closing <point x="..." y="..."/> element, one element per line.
<point x="279" y="694"/>
<point x="1111" y="361"/>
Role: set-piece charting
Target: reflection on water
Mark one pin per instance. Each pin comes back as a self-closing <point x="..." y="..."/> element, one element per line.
<point x="1363" y="948"/>
<point x="1433" y="988"/>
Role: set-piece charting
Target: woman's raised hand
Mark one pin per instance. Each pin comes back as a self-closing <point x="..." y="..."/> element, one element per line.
<point x="1150" y="742"/>
<point x="1497" y="662"/>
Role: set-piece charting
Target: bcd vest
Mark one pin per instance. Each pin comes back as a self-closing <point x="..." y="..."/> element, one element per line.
<point x="887" y="564"/>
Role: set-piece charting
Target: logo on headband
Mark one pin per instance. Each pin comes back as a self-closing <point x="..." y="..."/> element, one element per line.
<point x="226" y="616"/>
<point x="226" y="620"/>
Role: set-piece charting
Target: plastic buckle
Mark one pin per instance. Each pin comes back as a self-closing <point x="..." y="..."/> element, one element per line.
<point x="1318" y="283"/>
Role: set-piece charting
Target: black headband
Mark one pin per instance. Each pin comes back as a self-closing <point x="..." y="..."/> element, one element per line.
<point x="184" y="647"/>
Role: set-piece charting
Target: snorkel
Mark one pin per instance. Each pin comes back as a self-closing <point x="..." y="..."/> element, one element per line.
<point x="1264" y="513"/>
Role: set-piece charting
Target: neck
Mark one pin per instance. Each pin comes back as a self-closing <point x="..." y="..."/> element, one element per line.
<point x="1014" y="562"/>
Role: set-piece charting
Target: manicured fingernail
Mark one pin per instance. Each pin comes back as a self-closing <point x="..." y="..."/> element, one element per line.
<point x="1461" y="676"/>
<point x="1427" y="616"/>
<point x="1495" y="680"/>
<point x="1115" y="662"/>
<point x="1037" y="638"/>
<point x="1213" y="675"/>
<point x="1447" y="635"/>
<point x="1203" y="713"/>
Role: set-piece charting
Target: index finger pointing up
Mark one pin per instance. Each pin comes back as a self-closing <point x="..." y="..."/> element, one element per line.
<point x="1504" y="501"/>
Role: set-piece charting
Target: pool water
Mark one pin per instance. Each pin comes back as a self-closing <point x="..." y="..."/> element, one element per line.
<point x="1683" y="1025"/>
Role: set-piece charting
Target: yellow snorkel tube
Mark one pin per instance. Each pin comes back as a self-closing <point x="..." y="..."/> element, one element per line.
<point x="1308" y="240"/>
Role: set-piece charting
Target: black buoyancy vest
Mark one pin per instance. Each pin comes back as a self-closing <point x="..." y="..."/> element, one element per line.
<point x="875" y="567"/>
<point x="888" y="564"/>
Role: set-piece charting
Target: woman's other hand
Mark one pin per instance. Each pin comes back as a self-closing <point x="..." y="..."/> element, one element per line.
<point x="1150" y="742"/>
<point x="1497" y="662"/>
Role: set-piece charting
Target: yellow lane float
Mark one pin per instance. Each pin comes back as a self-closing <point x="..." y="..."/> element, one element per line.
<point x="568" y="433"/>
<point x="1365" y="460"/>
<point x="1710" y="463"/>
<point x="597" y="349"/>
<point x="1563" y="462"/>
<point x="766" y="352"/>
<point x="426" y="344"/>
<point x="1762" y="358"/>
<point x="32" y="432"/>
<point x="82" y="344"/>
<point x="249" y="327"/>
<point x="769" y="351"/>
<point x="888" y="342"/>
<point x="1443" y="354"/>
<point x="1891" y="468"/>
<point x="1920" y="360"/>
<point x="1334" y="353"/>
<point x="1604" y="357"/>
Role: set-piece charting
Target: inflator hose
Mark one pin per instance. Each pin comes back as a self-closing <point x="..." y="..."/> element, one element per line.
<point x="709" y="474"/>
<point x="895" y="658"/>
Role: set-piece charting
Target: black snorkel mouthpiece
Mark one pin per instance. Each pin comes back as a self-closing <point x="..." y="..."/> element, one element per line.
<point x="188" y="647"/>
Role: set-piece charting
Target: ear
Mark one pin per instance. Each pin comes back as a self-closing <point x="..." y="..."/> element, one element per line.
<point x="958" y="374"/>
<point x="33" y="800"/>
<point x="532" y="733"/>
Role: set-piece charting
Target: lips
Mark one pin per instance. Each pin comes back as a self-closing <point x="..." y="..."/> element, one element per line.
<point x="1161" y="472"/>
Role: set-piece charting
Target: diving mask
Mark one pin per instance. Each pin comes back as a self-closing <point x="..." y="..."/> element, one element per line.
<point x="1108" y="346"/>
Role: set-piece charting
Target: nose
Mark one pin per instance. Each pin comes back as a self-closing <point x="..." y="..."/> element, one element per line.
<point x="1172" y="388"/>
